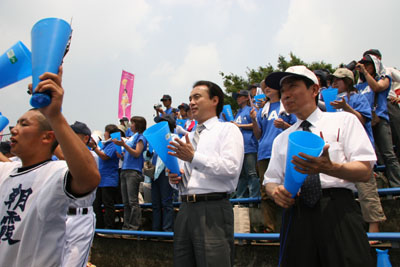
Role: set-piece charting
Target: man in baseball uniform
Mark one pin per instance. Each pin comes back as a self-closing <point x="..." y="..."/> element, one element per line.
<point x="35" y="193"/>
<point x="81" y="220"/>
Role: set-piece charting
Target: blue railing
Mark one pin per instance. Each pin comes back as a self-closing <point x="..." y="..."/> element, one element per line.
<point x="382" y="192"/>
<point x="387" y="236"/>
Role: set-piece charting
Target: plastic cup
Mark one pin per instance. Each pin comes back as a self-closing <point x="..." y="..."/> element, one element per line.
<point x="49" y="40"/>
<point x="300" y="141"/>
<point x="159" y="137"/>
<point x="227" y="110"/>
<point x="3" y="122"/>
<point x="329" y="95"/>
<point x="15" y="64"/>
<point x="117" y="135"/>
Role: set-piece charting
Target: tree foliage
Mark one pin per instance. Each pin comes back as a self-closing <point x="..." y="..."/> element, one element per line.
<point x="234" y="83"/>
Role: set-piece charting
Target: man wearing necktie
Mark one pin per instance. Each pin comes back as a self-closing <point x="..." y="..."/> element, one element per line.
<point x="210" y="159"/>
<point x="322" y="226"/>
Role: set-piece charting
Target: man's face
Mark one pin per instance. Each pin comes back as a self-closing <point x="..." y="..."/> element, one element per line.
<point x="241" y="99"/>
<point x="296" y="97"/>
<point x="166" y="103"/>
<point x="26" y="136"/>
<point x="201" y="105"/>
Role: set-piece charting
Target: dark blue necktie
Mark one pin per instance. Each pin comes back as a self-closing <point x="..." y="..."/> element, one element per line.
<point x="311" y="189"/>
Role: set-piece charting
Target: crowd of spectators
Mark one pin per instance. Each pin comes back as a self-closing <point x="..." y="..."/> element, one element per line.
<point x="368" y="90"/>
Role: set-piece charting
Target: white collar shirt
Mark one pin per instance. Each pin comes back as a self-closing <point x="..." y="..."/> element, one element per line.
<point x="218" y="159"/>
<point x="341" y="130"/>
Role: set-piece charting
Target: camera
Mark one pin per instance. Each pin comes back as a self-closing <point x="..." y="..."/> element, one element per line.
<point x="351" y="66"/>
<point x="157" y="106"/>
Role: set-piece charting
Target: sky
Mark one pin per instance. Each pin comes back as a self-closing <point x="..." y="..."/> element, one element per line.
<point x="170" y="44"/>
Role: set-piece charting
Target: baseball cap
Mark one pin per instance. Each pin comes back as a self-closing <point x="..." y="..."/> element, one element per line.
<point x="366" y="59"/>
<point x="274" y="80"/>
<point x="343" y="73"/>
<point x="168" y="118"/>
<point x="240" y="93"/>
<point x="166" y="97"/>
<point x="184" y="106"/>
<point x="81" y="128"/>
<point x="374" y="52"/>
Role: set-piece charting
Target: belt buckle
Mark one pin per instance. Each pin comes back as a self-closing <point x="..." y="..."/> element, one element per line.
<point x="191" y="198"/>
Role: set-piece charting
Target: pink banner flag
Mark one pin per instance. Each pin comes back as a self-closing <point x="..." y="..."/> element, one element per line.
<point x="125" y="95"/>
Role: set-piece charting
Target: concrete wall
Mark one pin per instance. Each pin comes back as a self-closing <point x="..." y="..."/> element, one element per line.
<point x="122" y="252"/>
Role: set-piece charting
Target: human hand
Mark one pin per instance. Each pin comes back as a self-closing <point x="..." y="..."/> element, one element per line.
<point x="51" y="84"/>
<point x="282" y="197"/>
<point x="361" y="68"/>
<point x="280" y="123"/>
<point x="174" y="178"/>
<point x="313" y="165"/>
<point x="118" y="142"/>
<point x="253" y="114"/>
<point x="339" y="104"/>
<point x="182" y="150"/>
<point x="394" y="100"/>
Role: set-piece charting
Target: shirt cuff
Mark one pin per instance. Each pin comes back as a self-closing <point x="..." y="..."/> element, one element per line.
<point x="271" y="180"/>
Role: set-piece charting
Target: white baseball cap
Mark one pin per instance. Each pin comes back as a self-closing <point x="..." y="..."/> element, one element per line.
<point x="274" y="80"/>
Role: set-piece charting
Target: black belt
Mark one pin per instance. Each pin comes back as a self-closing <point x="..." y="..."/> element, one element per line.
<point x="74" y="211"/>
<point x="204" y="197"/>
<point x="336" y="191"/>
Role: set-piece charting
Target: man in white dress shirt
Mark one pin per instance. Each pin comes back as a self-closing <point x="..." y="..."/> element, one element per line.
<point x="210" y="160"/>
<point x="321" y="227"/>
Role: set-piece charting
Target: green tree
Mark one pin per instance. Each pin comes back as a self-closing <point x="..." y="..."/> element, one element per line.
<point x="233" y="82"/>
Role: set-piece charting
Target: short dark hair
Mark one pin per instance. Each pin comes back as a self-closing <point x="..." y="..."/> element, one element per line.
<point x="140" y="123"/>
<point x="44" y="125"/>
<point x="213" y="90"/>
<point x="111" y="128"/>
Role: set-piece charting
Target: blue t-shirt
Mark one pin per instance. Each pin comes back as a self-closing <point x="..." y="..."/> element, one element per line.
<point x="360" y="103"/>
<point x="250" y="141"/>
<point x="381" y="101"/>
<point x="130" y="162"/>
<point x="168" y="111"/>
<point x="109" y="168"/>
<point x="269" y="131"/>
<point x="128" y="132"/>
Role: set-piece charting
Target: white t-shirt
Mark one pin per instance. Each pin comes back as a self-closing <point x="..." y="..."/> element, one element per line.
<point x="33" y="208"/>
<point x="341" y="130"/>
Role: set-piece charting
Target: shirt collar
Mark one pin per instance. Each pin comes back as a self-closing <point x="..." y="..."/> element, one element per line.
<point x="313" y="118"/>
<point x="210" y="122"/>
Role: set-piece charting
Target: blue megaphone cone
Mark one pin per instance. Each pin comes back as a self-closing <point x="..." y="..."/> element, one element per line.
<point x="49" y="40"/>
<point x="15" y="64"/>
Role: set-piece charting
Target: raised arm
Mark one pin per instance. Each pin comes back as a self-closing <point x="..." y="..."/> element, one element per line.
<point x="81" y="164"/>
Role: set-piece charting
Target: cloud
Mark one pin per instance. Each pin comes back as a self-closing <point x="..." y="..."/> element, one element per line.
<point x="201" y="62"/>
<point x="336" y="32"/>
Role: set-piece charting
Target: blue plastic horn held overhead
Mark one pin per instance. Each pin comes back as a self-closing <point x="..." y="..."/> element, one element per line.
<point x="15" y="64"/>
<point x="49" y="40"/>
<point x="3" y="122"/>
